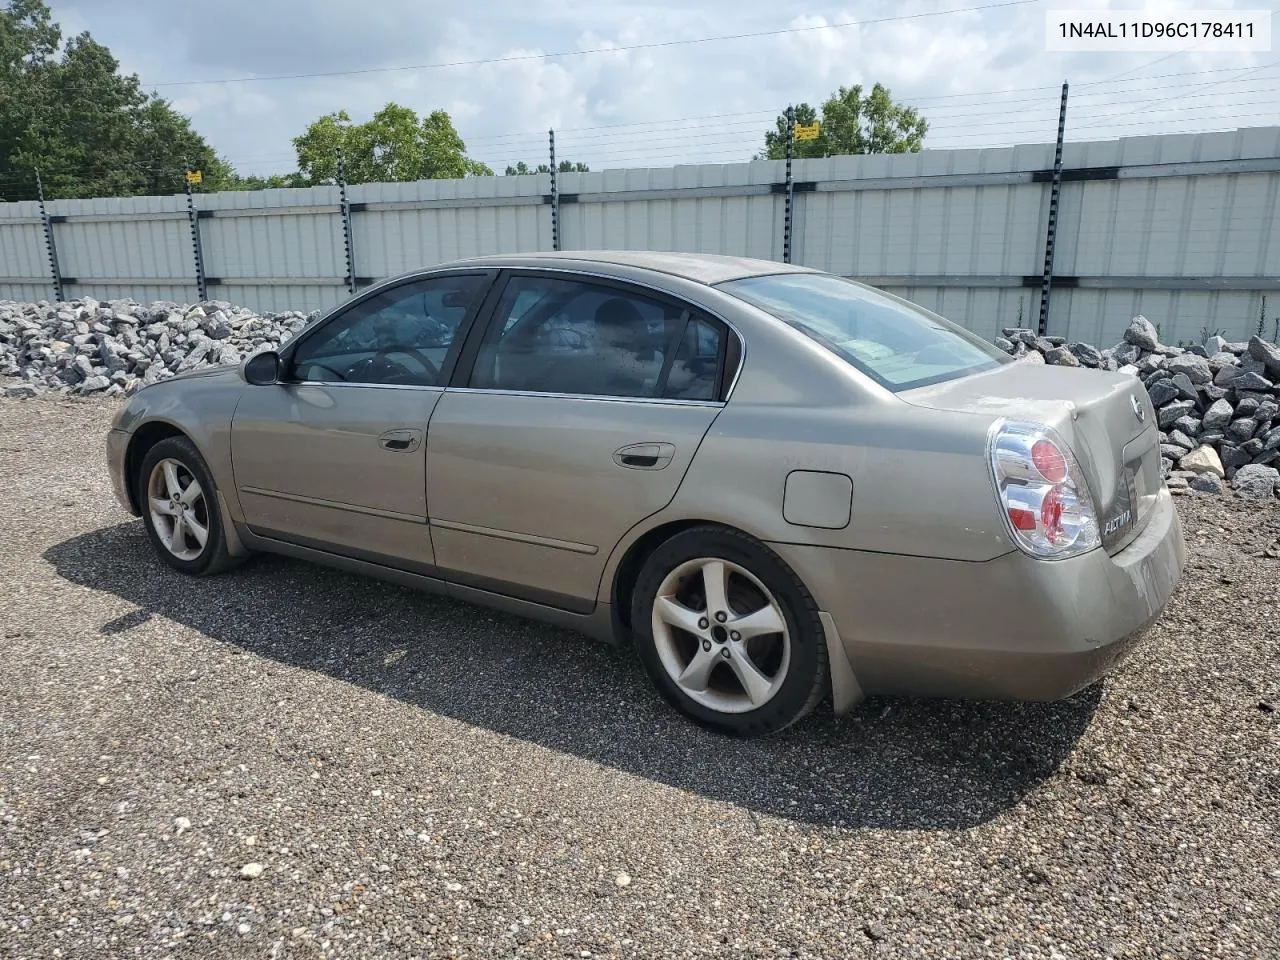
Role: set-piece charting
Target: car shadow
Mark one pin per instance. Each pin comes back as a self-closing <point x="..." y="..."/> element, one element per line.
<point x="889" y="764"/>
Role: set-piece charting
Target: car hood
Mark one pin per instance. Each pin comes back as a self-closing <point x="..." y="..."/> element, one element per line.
<point x="1106" y="418"/>
<point x="224" y="371"/>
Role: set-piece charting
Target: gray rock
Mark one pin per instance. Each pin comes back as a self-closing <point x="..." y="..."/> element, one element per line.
<point x="1061" y="356"/>
<point x="1227" y="374"/>
<point x="1252" y="381"/>
<point x="1196" y="368"/>
<point x="1142" y="333"/>
<point x="1267" y="456"/>
<point x="1255" y="481"/>
<point x="1171" y="451"/>
<point x="1168" y="414"/>
<point x="1032" y="356"/>
<point x="1180" y="439"/>
<point x="1247" y="407"/>
<point x="1242" y="429"/>
<point x="94" y="384"/>
<point x="1234" y="457"/>
<point x="1188" y="425"/>
<point x="1088" y="355"/>
<point x="1162" y="391"/>
<point x="1215" y="344"/>
<point x="1127" y="353"/>
<point x="1272" y="440"/>
<point x="22" y="390"/>
<point x="1218" y="415"/>
<point x="1186" y="389"/>
<point x="1205" y="483"/>
<point x="1001" y="342"/>
<point x="1214" y="392"/>
<point x="1177" y="485"/>
<point x="1267" y="410"/>
<point x="1266" y="353"/>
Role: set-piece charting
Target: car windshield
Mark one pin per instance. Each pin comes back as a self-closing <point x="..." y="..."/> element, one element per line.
<point x="895" y="343"/>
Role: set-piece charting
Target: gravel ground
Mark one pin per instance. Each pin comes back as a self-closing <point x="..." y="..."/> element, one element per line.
<point x="293" y="762"/>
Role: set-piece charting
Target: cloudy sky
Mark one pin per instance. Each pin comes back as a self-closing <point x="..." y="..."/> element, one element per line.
<point x="647" y="95"/>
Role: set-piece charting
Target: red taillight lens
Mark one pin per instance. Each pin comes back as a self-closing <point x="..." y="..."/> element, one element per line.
<point x="1051" y="516"/>
<point x="1022" y="519"/>
<point x="1049" y="460"/>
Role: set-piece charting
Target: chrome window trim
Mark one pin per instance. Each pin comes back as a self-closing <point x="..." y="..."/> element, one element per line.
<point x="670" y="401"/>
<point x="371" y="386"/>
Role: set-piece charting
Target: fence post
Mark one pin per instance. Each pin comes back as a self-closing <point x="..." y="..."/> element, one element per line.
<point x="345" y="209"/>
<point x="555" y="195"/>
<point x="193" y="218"/>
<point x="51" y="248"/>
<point x="786" y="216"/>
<point x="1051" y="233"/>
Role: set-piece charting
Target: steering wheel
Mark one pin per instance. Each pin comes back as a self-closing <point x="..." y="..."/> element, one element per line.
<point x="386" y="368"/>
<point x="322" y="366"/>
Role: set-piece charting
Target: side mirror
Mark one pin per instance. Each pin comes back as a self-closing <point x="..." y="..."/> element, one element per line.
<point x="262" y="369"/>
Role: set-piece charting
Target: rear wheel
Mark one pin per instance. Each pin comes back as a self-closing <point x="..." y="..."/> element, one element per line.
<point x="728" y="633"/>
<point x="180" y="508"/>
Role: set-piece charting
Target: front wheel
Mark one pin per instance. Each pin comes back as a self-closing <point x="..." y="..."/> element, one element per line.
<point x="728" y="633"/>
<point x="180" y="508"/>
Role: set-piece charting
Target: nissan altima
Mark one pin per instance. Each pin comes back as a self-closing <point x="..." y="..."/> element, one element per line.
<point x="780" y="485"/>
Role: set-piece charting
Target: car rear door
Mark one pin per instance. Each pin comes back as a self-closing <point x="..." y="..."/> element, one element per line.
<point x="333" y="457"/>
<point x="576" y="413"/>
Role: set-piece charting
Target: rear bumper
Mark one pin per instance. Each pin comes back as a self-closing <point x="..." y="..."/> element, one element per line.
<point x="117" y="444"/>
<point x="1009" y="628"/>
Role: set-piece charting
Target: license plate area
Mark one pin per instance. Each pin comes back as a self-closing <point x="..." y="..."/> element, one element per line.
<point x="1136" y="495"/>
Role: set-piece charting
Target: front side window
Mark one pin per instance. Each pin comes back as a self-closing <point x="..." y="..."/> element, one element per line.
<point x="896" y="344"/>
<point x="401" y="336"/>
<point x="555" y="335"/>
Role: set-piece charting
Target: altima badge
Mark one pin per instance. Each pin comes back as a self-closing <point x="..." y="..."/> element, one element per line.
<point x="1138" y="411"/>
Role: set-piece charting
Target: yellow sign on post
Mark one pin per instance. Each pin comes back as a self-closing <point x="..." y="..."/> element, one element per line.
<point x="809" y="132"/>
<point x="194" y="177"/>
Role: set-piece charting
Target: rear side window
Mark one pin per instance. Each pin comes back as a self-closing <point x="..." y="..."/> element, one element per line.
<point x="898" y="345"/>
<point x="561" y="336"/>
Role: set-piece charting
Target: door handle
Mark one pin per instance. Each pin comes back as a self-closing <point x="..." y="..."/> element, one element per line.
<point x="401" y="441"/>
<point x="644" y="456"/>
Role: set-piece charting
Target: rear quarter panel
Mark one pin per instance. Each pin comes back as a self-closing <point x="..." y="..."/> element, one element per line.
<point x="921" y="484"/>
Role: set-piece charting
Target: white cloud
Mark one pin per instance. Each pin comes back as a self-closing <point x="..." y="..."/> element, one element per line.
<point x="607" y="107"/>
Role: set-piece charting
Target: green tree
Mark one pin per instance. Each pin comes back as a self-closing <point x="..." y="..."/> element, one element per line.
<point x="564" y="166"/>
<point x="90" y="130"/>
<point x="852" y="123"/>
<point x="394" y="146"/>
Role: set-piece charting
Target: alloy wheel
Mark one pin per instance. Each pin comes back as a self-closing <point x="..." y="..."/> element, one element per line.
<point x="721" y="635"/>
<point x="179" y="510"/>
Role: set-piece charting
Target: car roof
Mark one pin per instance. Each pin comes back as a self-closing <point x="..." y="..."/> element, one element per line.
<point x="704" y="268"/>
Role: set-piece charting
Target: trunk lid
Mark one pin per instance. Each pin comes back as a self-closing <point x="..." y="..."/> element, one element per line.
<point x="1106" y="418"/>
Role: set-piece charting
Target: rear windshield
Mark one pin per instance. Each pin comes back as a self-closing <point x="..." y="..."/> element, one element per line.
<point x="897" y="344"/>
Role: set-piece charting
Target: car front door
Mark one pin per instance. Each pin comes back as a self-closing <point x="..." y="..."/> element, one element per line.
<point x="584" y="405"/>
<point x="333" y="457"/>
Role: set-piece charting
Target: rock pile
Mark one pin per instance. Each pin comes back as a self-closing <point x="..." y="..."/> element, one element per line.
<point x="90" y="347"/>
<point x="1217" y="403"/>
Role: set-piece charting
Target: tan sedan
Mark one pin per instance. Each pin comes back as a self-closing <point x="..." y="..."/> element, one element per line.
<point x="779" y="484"/>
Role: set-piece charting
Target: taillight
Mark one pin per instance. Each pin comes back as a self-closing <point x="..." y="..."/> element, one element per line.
<point x="1042" y="492"/>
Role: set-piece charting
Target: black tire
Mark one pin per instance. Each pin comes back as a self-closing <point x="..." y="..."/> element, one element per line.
<point x="213" y="559"/>
<point x="807" y="678"/>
